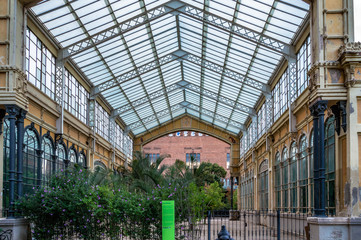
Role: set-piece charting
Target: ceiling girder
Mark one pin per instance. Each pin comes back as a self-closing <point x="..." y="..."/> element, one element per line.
<point x="185" y="105"/>
<point x="212" y="115"/>
<point x="226" y="72"/>
<point x="153" y="65"/>
<point x="186" y="85"/>
<point x="158" y="115"/>
<point x="179" y="55"/>
<point x="141" y="101"/>
<point x="176" y="6"/>
<point x="121" y="28"/>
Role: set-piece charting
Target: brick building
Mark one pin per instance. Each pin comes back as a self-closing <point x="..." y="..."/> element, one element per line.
<point x="184" y="144"/>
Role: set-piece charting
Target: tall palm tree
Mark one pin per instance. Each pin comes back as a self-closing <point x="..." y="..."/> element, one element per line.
<point x="146" y="175"/>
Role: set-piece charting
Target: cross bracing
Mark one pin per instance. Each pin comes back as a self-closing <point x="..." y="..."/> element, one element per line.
<point x="146" y="57"/>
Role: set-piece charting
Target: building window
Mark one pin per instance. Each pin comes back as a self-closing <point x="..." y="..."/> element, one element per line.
<point x="128" y="146"/>
<point x="303" y="174"/>
<point x="280" y="96"/>
<point x="293" y="177"/>
<point x="278" y="180"/>
<point x="152" y="157"/>
<point x="303" y="65"/>
<point x="247" y="191"/>
<point x="261" y="121"/>
<point x="39" y="65"/>
<point x="47" y="163"/>
<point x="263" y="185"/>
<point x="72" y="156"/>
<point x="61" y="154"/>
<point x="99" y="166"/>
<point x="118" y="137"/>
<point x="330" y="166"/>
<point x="31" y="162"/>
<point x="284" y="180"/>
<point x="193" y="159"/>
<point x="82" y="160"/>
<point x="75" y="97"/>
<point x="228" y="160"/>
<point x="101" y="121"/>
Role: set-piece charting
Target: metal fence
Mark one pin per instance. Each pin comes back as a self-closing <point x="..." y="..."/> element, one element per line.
<point x="242" y="225"/>
<point x="258" y="224"/>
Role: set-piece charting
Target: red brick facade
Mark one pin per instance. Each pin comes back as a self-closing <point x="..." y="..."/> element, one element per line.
<point x="178" y="144"/>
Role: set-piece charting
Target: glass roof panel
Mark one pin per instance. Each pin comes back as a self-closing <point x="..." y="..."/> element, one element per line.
<point x="45" y="6"/>
<point x="206" y="118"/>
<point x="224" y="9"/>
<point x="140" y="63"/>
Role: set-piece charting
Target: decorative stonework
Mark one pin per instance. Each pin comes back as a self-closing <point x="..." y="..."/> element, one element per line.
<point x="313" y="73"/>
<point x="349" y="48"/>
<point x="350" y="76"/>
<point x="186" y="122"/>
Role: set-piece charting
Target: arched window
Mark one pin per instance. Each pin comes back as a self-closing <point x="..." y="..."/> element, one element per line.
<point x="293" y="177"/>
<point x="263" y="185"/>
<point x="72" y="156"/>
<point x="47" y="163"/>
<point x="311" y="167"/>
<point x="303" y="174"/>
<point x="99" y="165"/>
<point x="284" y="180"/>
<point x="278" y="180"/>
<point x="32" y="163"/>
<point x="82" y="160"/>
<point x="330" y="166"/>
<point x="61" y="154"/>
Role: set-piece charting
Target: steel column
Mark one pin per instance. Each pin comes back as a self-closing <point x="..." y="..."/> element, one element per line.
<point x="20" y="140"/>
<point x="231" y="193"/>
<point x="317" y="111"/>
<point x="322" y="105"/>
<point x="12" y="111"/>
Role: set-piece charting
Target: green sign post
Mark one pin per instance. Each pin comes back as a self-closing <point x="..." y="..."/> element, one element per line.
<point x="168" y="230"/>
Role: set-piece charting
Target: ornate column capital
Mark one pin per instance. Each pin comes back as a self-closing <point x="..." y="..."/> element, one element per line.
<point x="12" y="110"/>
<point x="318" y="108"/>
<point x="21" y="115"/>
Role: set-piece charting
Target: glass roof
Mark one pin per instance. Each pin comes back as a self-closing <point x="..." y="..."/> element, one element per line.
<point x="155" y="60"/>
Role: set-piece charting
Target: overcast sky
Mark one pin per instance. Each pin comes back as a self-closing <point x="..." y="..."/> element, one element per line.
<point x="357" y="20"/>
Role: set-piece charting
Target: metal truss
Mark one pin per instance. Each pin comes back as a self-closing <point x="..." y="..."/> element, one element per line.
<point x="211" y="114"/>
<point x="239" y="30"/>
<point x="292" y="80"/>
<point x="155" y="55"/>
<point x="140" y="101"/>
<point x="136" y="72"/>
<point x="226" y="72"/>
<point x="255" y="129"/>
<point x="158" y="115"/>
<point x="185" y="85"/>
<point x="230" y="38"/>
<point x="112" y="128"/>
<point x="59" y="81"/>
<point x="176" y="6"/>
<point x="222" y="99"/>
<point x="123" y="27"/>
<point x="269" y="111"/>
<point x="203" y="48"/>
<point x="180" y="55"/>
<point x="91" y="112"/>
<point x="186" y="105"/>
